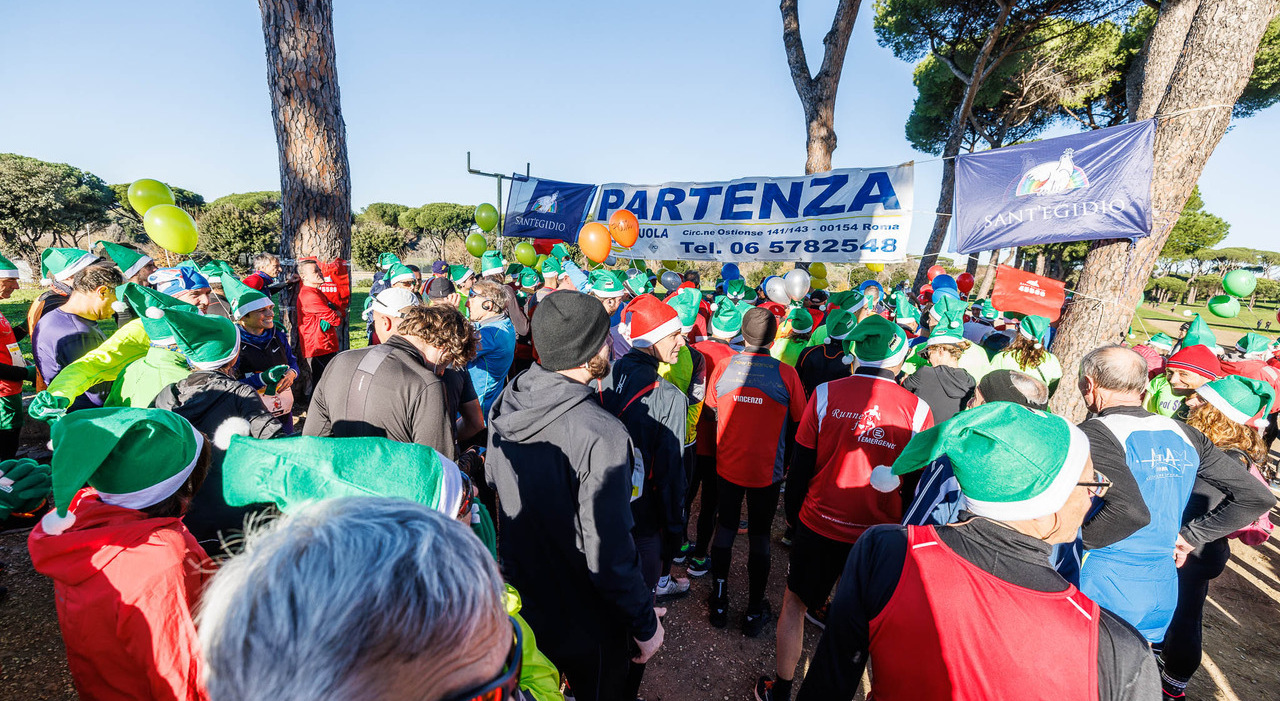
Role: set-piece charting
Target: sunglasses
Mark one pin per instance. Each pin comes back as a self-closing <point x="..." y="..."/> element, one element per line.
<point x="505" y="686"/>
<point x="464" y="510"/>
<point x="1099" y="486"/>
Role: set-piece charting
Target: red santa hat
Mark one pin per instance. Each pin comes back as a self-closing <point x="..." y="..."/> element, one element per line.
<point x="650" y="320"/>
<point x="1197" y="359"/>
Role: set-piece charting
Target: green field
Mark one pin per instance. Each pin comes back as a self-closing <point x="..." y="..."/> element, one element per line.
<point x="1228" y="330"/>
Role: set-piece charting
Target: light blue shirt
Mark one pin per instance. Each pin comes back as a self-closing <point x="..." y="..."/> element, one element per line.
<point x="493" y="359"/>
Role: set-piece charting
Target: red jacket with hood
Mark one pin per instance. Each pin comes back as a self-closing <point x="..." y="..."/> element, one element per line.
<point x="125" y="585"/>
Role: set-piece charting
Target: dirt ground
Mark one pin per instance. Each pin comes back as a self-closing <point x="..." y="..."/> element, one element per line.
<point x="701" y="663"/>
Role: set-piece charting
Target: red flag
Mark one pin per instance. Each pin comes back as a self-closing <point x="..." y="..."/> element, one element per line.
<point x="1028" y="293"/>
<point x="544" y="246"/>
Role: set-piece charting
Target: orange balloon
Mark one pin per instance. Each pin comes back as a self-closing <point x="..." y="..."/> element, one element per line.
<point x="624" y="228"/>
<point x="594" y="241"/>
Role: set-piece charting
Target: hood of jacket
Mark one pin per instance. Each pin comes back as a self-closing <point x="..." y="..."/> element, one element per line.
<point x="954" y="382"/>
<point x="101" y="532"/>
<point x="199" y="395"/>
<point x="535" y="399"/>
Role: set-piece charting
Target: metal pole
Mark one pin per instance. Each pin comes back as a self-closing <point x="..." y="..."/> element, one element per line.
<point x="499" y="177"/>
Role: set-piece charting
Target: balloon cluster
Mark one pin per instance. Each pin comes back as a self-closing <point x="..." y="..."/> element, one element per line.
<point x="943" y="285"/>
<point x="1236" y="284"/>
<point x="818" y="276"/>
<point x="596" y="240"/>
<point x="792" y="287"/>
<point x="166" y="223"/>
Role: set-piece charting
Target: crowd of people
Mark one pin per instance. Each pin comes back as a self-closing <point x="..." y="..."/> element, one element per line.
<point x="491" y="500"/>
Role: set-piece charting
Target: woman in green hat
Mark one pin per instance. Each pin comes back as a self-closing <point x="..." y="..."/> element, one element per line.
<point x="1027" y="353"/>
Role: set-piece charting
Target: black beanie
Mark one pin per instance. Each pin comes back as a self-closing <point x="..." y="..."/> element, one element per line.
<point x="997" y="386"/>
<point x="569" y="329"/>
<point x="759" y="327"/>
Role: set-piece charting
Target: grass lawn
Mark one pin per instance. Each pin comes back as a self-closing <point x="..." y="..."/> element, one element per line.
<point x="1228" y="329"/>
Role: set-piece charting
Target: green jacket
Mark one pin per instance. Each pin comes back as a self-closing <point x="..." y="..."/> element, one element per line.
<point x="1049" y="371"/>
<point x="1160" y="397"/>
<point x="143" y="379"/>
<point x="538" y="677"/>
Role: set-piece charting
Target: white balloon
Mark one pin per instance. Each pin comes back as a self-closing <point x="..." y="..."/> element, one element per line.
<point x="776" y="290"/>
<point x="797" y="284"/>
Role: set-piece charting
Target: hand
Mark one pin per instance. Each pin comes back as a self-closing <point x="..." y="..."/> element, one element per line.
<point x="293" y="279"/>
<point x="453" y="299"/>
<point x="24" y="485"/>
<point x="649" y="647"/>
<point x="48" y="407"/>
<point x="1181" y="550"/>
<point x="287" y="381"/>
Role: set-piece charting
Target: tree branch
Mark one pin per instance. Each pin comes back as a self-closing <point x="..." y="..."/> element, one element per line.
<point x="835" y="43"/>
<point x="794" y="46"/>
<point x="955" y="68"/>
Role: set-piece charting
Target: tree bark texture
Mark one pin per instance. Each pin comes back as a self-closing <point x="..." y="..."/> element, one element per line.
<point x="989" y="276"/>
<point x="311" y="138"/>
<point x="1214" y="60"/>
<point x="818" y="92"/>
<point x="959" y="122"/>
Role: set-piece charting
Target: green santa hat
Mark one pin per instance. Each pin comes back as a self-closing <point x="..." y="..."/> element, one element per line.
<point x="1244" y="400"/>
<point x="1254" y="345"/>
<point x="801" y="320"/>
<point x="140" y="300"/>
<point x="215" y="269"/>
<point x="386" y="260"/>
<point x="63" y="263"/>
<point x="606" y="284"/>
<point x="987" y="310"/>
<point x="737" y="290"/>
<point x="877" y="343"/>
<point x="551" y="268"/>
<point x="8" y="269"/>
<point x="399" y="272"/>
<point x="637" y="282"/>
<point x="1013" y="463"/>
<point x="1034" y="328"/>
<point x="135" y="458"/>
<point x="491" y="264"/>
<point x="129" y="260"/>
<point x="460" y="273"/>
<point x="559" y="252"/>
<point x="726" y="319"/>
<point x="209" y="342"/>
<point x="289" y="472"/>
<point x="529" y="278"/>
<point x="839" y="324"/>
<point x="948" y="329"/>
<point x="242" y="298"/>
<point x="1161" y="341"/>
<point x="1199" y="334"/>
<point x="947" y="306"/>
<point x="850" y="300"/>
<point x="904" y="312"/>
<point x="686" y="302"/>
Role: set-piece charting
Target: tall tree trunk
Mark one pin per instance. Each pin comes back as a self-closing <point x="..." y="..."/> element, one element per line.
<point x="315" y="178"/>
<point x="1017" y="260"/>
<point x="1040" y="261"/>
<point x="818" y="92"/>
<point x="989" y="277"/>
<point x="959" y="123"/>
<point x="971" y="266"/>
<point x="1215" y="59"/>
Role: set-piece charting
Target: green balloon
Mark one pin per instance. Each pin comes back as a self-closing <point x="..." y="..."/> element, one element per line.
<point x="1224" y="306"/>
<point x="147" y="193"/>
<point x="476" y="245"/>
<point x="541" y="259"/>
<point x="526" y="254"/>
<point x="1239" y="283"/>
<point x="486" y="217"/>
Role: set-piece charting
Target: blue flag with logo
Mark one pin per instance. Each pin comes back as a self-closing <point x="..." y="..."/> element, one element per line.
<point x="546" y="209"/>
<point x="1094" y="185"/>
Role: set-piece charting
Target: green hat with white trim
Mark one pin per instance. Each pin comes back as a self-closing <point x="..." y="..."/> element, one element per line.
<point x="839" y="325"/>
<point x="801" y="320"/>
<point x="737" y="290"/>
<point x="242" y="298"/>
<point x="8" y="269"/>
<point x="1013" y="463"/>
<point x="1161" y="341"/>
<point x="551" y="268"/>
<point x="726" y="319"/>
<point x="606" y="284"/>
<point x="850" y="300"/>
<point x="637" y="282"/>
<point x="460" y="273"/>
<point x="877" y="343"/>
<point x="399" y="272"/>
<point x="1034" y="328"/>
<point x="63" y="263"/>
<point x="215" y="269"/>
<point x="209" y="342"/>
<point x="988" y="310"/>
<point x="904" y="312"/>
<point x="529" y="278"/>
<point x="948" y="329"/>
<point x="686" y="301"/>
<point x="290" y="472"/>
<point x="1244" y="400"/>
<point x="947" y="306"/>
<point x="140" y="300"/>
<point x="1254" y="345"/>
<point x="1199" y="334"/>
<point x="129" y="260"/>
<point x="560" y="252"/>
<point x="135" y="458"/>
<point x="491" y="263"/>
<point x="386" y="260"/>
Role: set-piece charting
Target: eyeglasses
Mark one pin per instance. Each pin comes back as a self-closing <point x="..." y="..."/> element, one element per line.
<point x="1099" y="486"/>
<point x="464" y="511"/>
<point x="505" y="686"/>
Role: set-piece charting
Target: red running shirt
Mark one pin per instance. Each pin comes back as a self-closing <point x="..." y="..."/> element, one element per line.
<point x="714" y="353"/>
<point x="854" y="424"/>
<point x="955" y="632"/>
<point x="753" y="395"/>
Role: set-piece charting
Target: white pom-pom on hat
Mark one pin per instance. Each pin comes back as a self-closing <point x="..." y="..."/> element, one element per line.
<point x="847" y="359"/>
<point x="53" y="524"/>
<point x="119" y="307"/>
<point x="234" y="426"/>
<point x="155" y="313"/>
<point x="883" y="479"/>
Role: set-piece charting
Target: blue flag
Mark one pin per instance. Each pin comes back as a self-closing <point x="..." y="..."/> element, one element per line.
<point x="1095" y="185"/>
<point x="546" y="209"/>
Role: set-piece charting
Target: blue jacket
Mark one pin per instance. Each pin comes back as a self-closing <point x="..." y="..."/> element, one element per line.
<point x="489" y="369"/>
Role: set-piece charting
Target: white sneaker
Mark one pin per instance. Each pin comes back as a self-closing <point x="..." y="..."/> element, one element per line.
<point x="676" y="588"/>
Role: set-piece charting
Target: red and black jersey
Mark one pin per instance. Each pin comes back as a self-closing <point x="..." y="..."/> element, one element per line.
<point x="753" y="394"/>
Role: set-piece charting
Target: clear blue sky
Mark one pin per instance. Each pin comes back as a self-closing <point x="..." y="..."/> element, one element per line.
<point x="585" y="91"/>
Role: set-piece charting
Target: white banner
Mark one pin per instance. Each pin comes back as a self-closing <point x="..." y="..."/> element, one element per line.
<point x="850" y="215"/>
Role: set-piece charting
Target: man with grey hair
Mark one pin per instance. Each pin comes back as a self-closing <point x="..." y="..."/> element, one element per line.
<point x="360" y="598"/>
<point x="1137" y="539"/>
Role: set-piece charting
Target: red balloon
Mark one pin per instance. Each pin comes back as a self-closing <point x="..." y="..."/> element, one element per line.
<point x="594" y="241"/>
<point x="927" y="291"/>
<point x="624" y="228"/>
<point x="935" y="271"/>
<point x="964" y="281"/>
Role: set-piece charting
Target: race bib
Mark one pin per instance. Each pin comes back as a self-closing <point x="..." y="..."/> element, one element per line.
<point x="278" y="404"/>
<point x="637" y="473"/>
<point x="15" y="356"/>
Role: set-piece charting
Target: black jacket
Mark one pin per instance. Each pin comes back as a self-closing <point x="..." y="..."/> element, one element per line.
<point x="655" y="414"/>
<point x="406" y="401"/>
<point x="209" y="400"/>
<point x="945" y="389"/>
<point x="562" y="469"/>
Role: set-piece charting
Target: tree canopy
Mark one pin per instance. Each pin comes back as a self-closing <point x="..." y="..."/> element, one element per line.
<point x="39" y="199"/>
<point x="1196" y="229"/>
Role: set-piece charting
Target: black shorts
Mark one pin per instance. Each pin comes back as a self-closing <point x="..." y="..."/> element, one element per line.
<point x="816" y="564"/>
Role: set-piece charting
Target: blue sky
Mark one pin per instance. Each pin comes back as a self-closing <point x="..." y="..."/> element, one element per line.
<point x="584" y="91"/>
